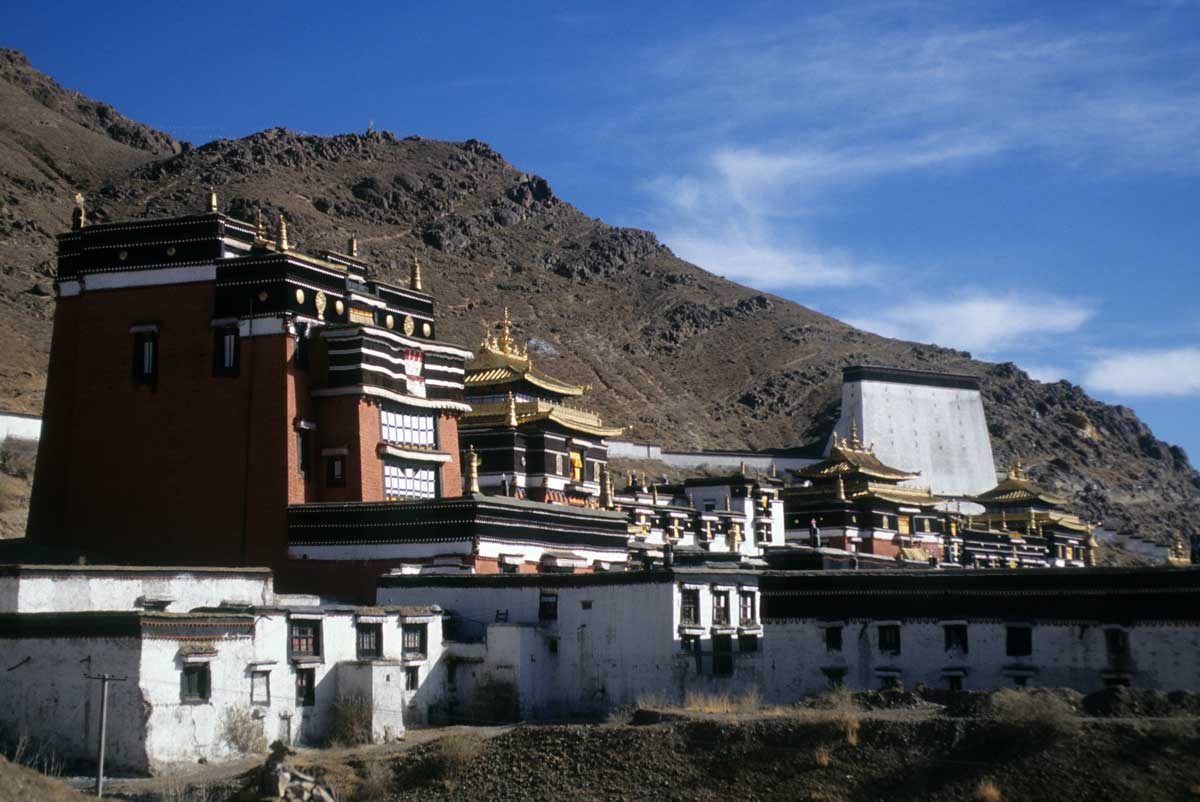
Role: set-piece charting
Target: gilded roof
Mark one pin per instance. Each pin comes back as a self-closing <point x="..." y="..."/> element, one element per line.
<point x="579" y="420"/>
<point x="851" y="457"/>
<point x="1018" y="488"/>
<point x="501" y="361"/>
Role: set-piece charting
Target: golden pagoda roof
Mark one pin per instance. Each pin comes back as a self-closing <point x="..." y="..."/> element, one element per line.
<point x="852" y="457"/>
<point x="1018" y="488"/>
<point x="522" y="412"/>
<point x="501" y="361"/>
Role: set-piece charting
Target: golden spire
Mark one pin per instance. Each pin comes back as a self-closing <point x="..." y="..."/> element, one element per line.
<point x="212" y="200"/>
<point x="841" y="488"/>
<point x="774" y="473"/>
<point x="78" y="214"/>
<point x="415" y="280"/>
<point x="472" y="470"/>
<point x="1003" y="521"/>
<point x="506" y="340"/>
<point x="855" y="443"/>
<point x="606" y="489"/>
<point x="353" y="249"/>
<point x="260" y="229"/>
<point x="654" y="495"/>
<point x="512" y="411"/>
<point x="1017" y="471"/>
<point x="742" y="468"/>
<point x="282" y="244"/>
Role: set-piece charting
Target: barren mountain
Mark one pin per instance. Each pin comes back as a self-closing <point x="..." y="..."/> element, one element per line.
<point x="684" y="357"/>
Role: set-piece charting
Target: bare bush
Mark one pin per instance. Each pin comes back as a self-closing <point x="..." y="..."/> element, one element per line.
<point x="822" y="756"/>
<point x="844" y="711"/>
<point x="1035" y="714"/>
<point x="374" y="783"/>
<point x="352" y="721"/>
<point x="450" y="756"/>
<point x="723" y="703"/>
<point x="35" y="753"/>
<point x="987" y="791"/>
<point x="242" y="731"/>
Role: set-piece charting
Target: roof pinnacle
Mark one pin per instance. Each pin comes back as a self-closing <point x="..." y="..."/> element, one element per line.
<point x="282" y="244"/>
<point x="415" y="278"/>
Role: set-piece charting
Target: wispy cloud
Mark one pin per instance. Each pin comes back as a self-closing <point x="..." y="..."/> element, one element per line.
<point x="1166" y="373"/>
<point x="979" y="322"/>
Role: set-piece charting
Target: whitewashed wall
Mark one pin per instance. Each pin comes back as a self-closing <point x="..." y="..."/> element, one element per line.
<point x="72" y="589"/>
<point x="48" y="698"/>
<point x="1162" y="657"/>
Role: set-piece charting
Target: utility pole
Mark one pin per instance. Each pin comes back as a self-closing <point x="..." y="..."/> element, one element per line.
<point x="104" y="680"/>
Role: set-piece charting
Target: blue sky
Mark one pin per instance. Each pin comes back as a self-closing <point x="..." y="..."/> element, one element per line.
<point x="1017" y="180"/>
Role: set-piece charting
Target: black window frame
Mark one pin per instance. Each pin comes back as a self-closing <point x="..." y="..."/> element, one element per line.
<point x="418" y="632"/>
<point x="195" y="683"/>
<point x="956" y="638"/>
<point x="142" y="375"/>
<point x="723" y="619"/>
<point x="303" y="449"/>
<point x="722" y="660"/>
<point x="306" y="687"/>
<point x="300" y="355"/>
<point x="548" y="606"/>
<point x="222" y="366"/>
<point x="333" y="476"/>
<point x="1018" y="640"/>
<point x="689" y="606"/>
<point x="833" y="639"/>
<point x="314" y="637"/>
<point x="368" y="640"/>
<point x="412" y="678"/>
<point x="889" y="641"/>
<point x="743" y="597"/>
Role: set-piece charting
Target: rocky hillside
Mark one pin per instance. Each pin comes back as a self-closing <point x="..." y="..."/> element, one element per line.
<point x="682" y="356"/>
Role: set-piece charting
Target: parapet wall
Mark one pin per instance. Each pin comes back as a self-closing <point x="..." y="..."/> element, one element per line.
<point x="919" y="421"/>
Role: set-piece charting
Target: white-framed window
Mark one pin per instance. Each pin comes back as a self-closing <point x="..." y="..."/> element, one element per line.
<point x="407" y="429"/>
<point x="406" y="481"/>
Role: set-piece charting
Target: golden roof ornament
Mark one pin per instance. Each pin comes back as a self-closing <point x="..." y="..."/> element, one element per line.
<point x="78" y="214"/>
<point x="841" y="488"/>
<point x="282" y="243"/>
<point x="654" y="495"/>
<point x="728" y="506"/>
<point x="606" y="488"/>
<point x="506" y="341"/>
<point x="212" y="200"/>
<point x="415" y="278"/>
<point x="855" y="443"/>
<point x="472" y="470"/>
<point x="260" y="230"/>
<point x="512" y="411"/>
<point x="1017" y="471"/>
<point x="353" y="246"/>
<point x="742" y="468"/>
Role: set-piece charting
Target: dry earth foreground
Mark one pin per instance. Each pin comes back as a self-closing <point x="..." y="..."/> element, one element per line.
<point x="686" y="358"/>
<point x="900" y="747"/>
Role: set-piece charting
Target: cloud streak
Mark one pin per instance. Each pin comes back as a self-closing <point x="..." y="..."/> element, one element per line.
<point x="979" y="322"/>
<point x="1169" y="373"/>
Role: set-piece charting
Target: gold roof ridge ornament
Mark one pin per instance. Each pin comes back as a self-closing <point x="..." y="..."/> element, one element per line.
<point x="260" y="230"/>
<point x="79" y="213"/>
<point x="212" y="200"/>
<point x="472" y="470"/>
<point x="1017" y="470"/>
<point x="415" y="277"/>
<point x="282" y="243"/>
<point x="512" y="411"/>
<point x="353" y="246"/>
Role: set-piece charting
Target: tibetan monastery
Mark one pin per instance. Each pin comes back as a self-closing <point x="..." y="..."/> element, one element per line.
<point x="531" y="442"/>
<point x="1023" y="524"/>
<point x="858" y="504"/>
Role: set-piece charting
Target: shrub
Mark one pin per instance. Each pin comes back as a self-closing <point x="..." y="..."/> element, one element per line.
<point x="375" y="782"/>
<point x="242" y="731"/>
<point x="822" y="756"/>
<point x="34" y="753"/>
<point x="450" y="756"/>
<point x="1033" y="714"/>
<point x="844" y="711"/>
<point x="987" y="791"/>
<point x="351" y="721"/>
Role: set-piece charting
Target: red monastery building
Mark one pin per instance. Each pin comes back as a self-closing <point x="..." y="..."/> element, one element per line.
<point x="216" y="397"/>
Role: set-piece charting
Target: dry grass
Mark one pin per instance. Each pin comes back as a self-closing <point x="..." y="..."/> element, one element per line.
<point x="822" y="756"/>
<point x="450" y="756"/>
<point x="1033" y="714"/>
<point x="844" y="711"/>
<point x="987" y="791"/>
<point x="749" y="702"/>
<point x="36" y="754"/>
<point x="374" y="783"/>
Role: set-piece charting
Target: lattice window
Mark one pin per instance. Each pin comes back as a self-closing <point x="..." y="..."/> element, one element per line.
<point x="401" y="481"/>
<point x="407" y="429"/>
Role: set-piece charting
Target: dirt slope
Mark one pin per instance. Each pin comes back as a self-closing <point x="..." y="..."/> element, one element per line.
<point x="686" y="358"/>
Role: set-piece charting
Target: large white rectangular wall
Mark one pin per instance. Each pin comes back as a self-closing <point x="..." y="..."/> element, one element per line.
<point x="939" y="431"/>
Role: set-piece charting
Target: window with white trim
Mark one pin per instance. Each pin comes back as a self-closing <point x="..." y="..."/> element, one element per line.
<point x="407" y="481"/>
<point x="407" y="429"/>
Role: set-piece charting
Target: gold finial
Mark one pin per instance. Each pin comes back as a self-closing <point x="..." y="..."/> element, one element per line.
<point x="654" y="495"/>
<point x="855" y="443"/>
<point x="512" y="411"/>
<point x="742" y="468"/>
<point x="353" y="246"/>
<point x="472" y="470"/>
<point x="774" y="473"/>
<point x="212" y="200"/>
<point x="728" y="505"/>
<point x="841" y="489"/>
<point x="415" y="281"/>
<point x="506" y="340"/>
<point x="282" y="244"/>
<point x="1003" y="521"/>
<point x="1017" y="471"/>
<point x="606" y="489"/>
<point x="260" y="229"/>
<point x="78" y="214"/>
